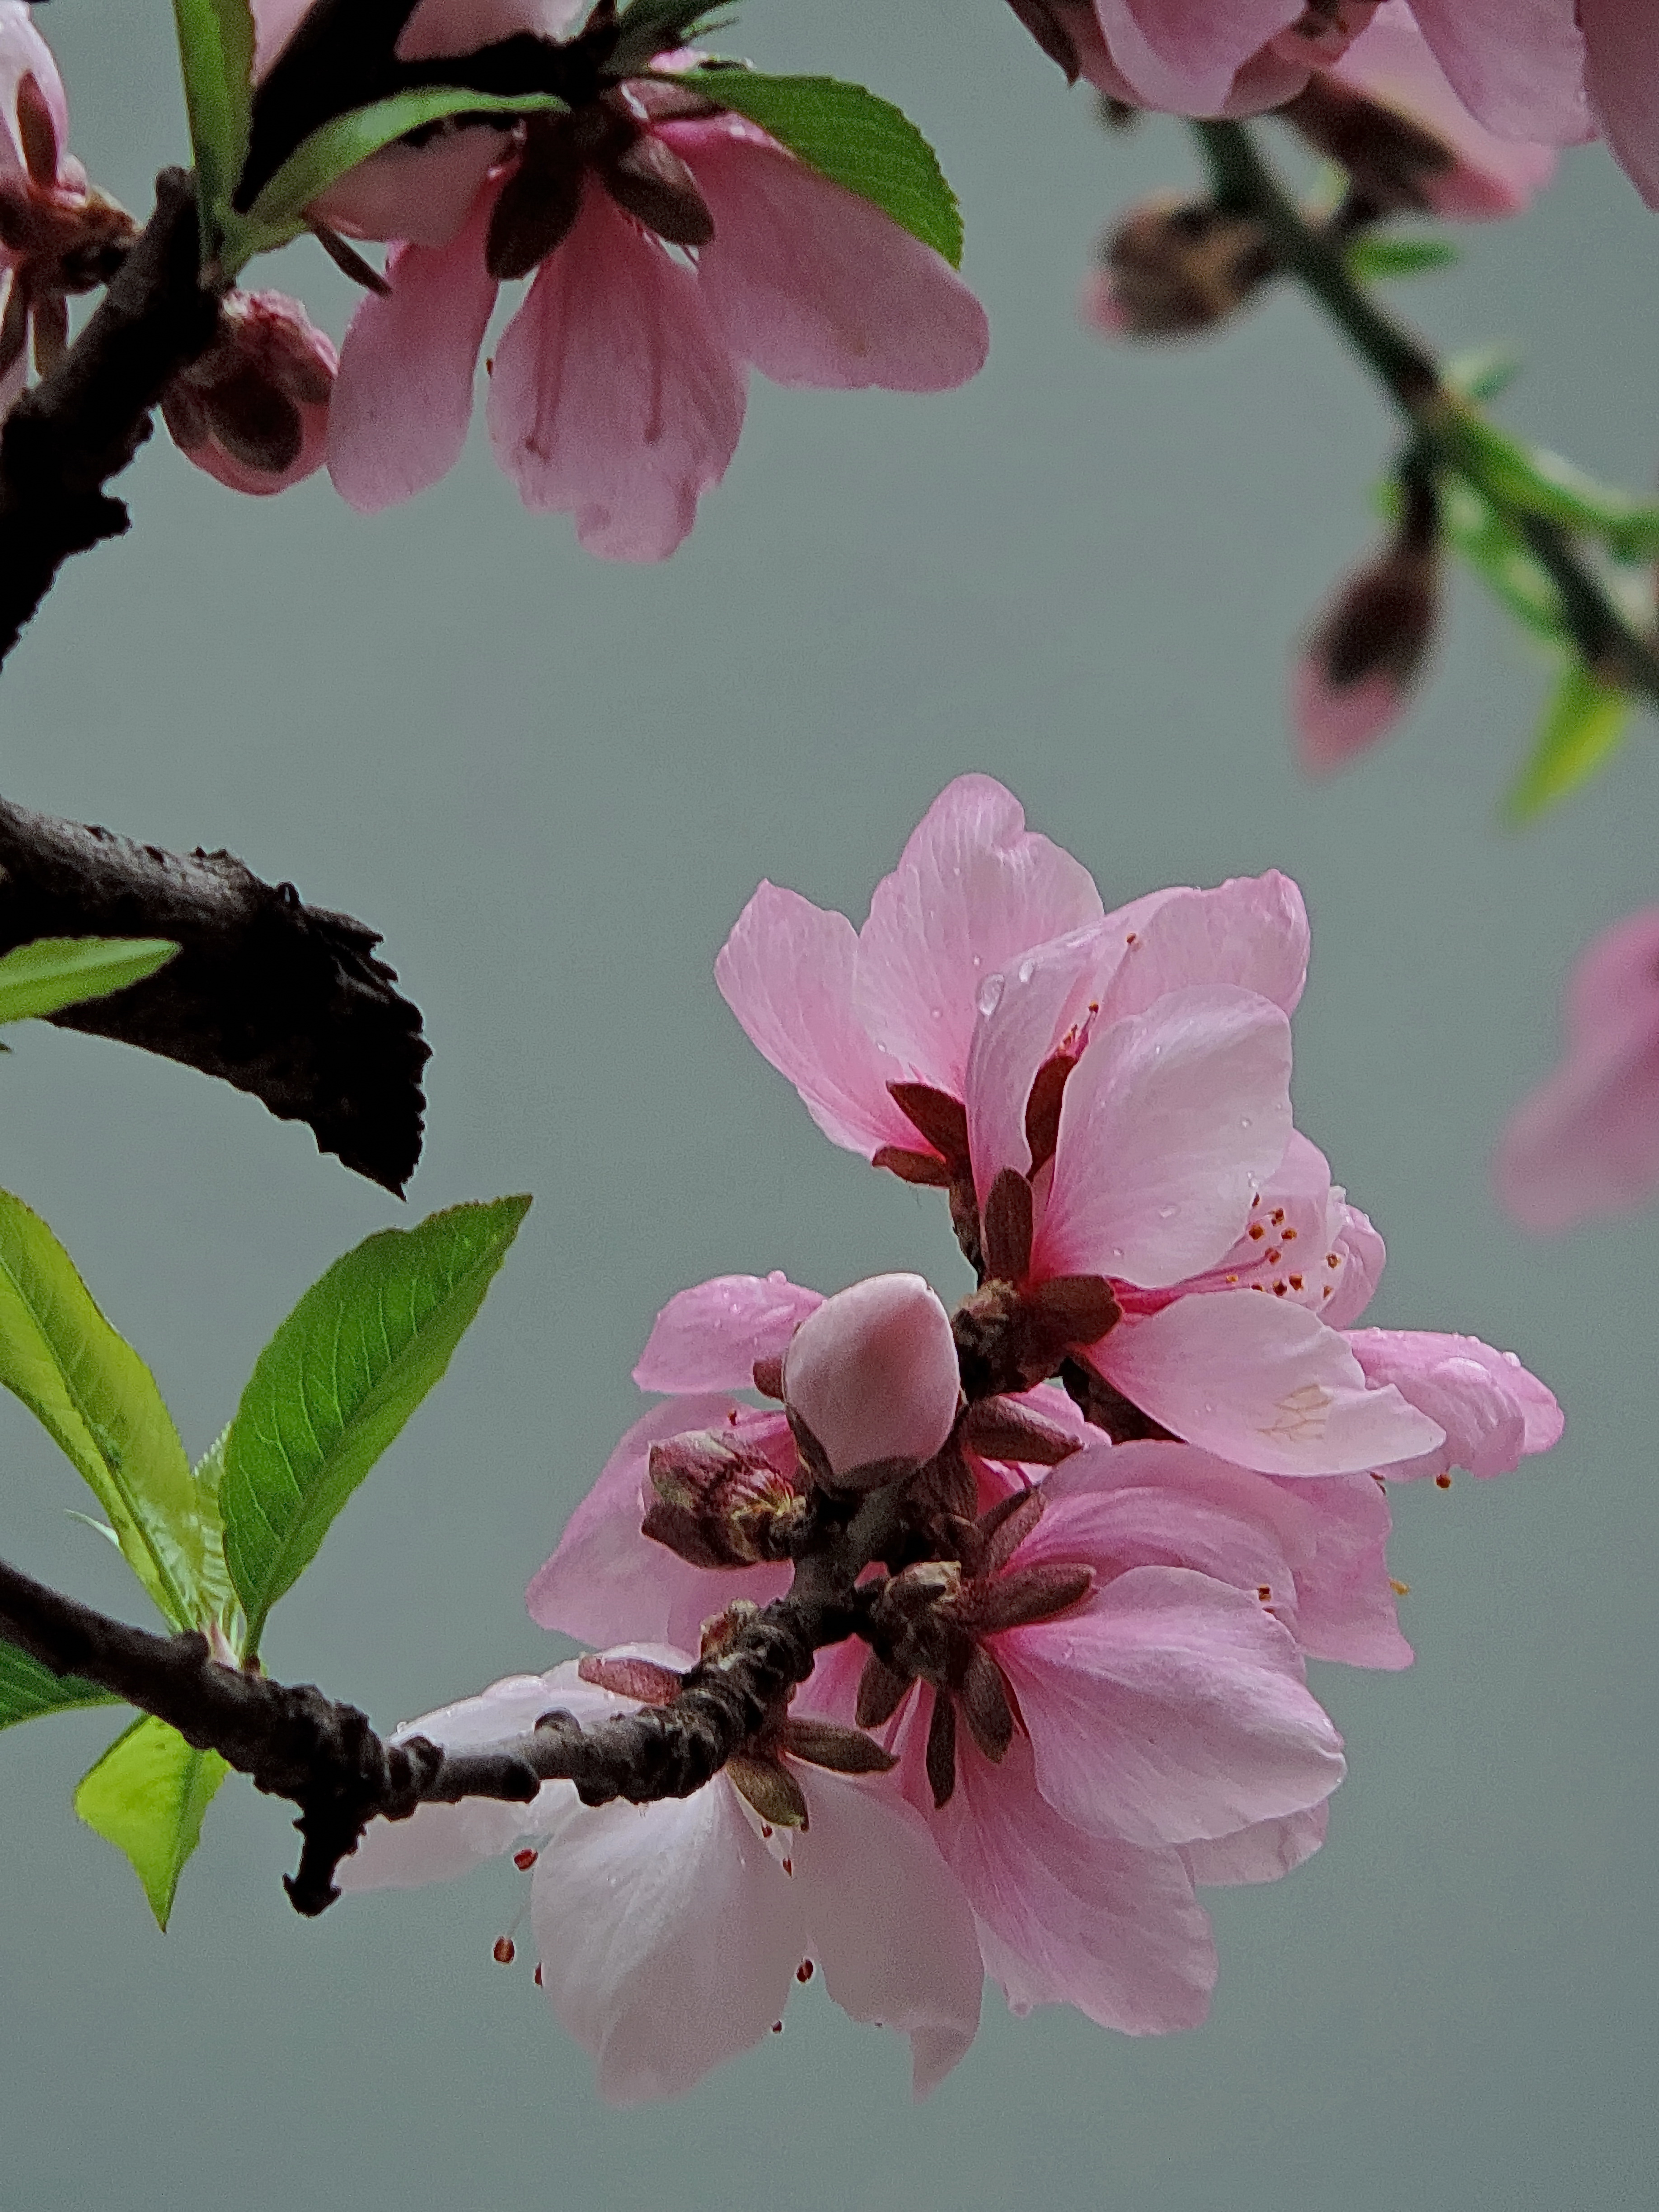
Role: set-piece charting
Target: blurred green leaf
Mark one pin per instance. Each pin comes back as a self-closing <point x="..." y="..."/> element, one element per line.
<point x="1374" y="255"/>
<point x="1481" y="373"/>
<point x="148" y="1796"/>
<point x="849" y="136"/>
<point x="54" y="972"/>
<point x="216" y="54"/>
<point x="28" y="1690"/>
<point x="339" y="1380"/>
<point x="279" y="212"/>
<point x="98" y="1401"/>
<point x="1502" y="559"/>
<point x="1584" y="725"/>
<point x="1540" y="483"/>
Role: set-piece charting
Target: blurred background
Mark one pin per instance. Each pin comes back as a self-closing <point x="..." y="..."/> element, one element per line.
<point x="552" y="784"/>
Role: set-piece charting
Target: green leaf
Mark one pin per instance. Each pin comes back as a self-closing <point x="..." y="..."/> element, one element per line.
<point x="218" y="1590"/>
<point x="98" y="1402"/>
<point x="1374" y="255"/>
<point x="339" y="1380"/>
<point x="650" y="28"/>
<point x="216" y="52"/>
<point x="148" y="1796"/>
<point x="849" y="136"/>
<point x="1539" y="483"/>
<point x="1502" y="559"/>
<point x="1481" y="373"/>
<point x="279" y="213"/>
<point x="59" y="971"/>
<point x="1583" y="726"/>
<point x="28" y="1690"/>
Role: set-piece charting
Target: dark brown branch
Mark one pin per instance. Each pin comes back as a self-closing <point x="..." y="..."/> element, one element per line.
<point x="294" y="1742"/>
<point x="64" y="440"/>
<point x="281" y="1000"/>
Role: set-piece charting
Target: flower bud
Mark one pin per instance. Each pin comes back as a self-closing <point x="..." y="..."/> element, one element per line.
<point x="254" y="410"/>
<point x="720" y="1502"/>
<point x="1173" y="267"/>
<point x="870" y="1382"/>
<point x="1358" y="666"/>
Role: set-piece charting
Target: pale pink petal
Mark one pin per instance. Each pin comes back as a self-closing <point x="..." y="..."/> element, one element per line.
<point x="1263" y="1382"/>
<point x="1068" y="1918"/>
<point x="786" y="973"/>
<point x="1613" y="989"/>
<point x="973" y="890"/>
<point x="1265" y="1853"/>
<point x="887" y="1921"/>
<point x="709" y="1338"/>
<point x="1347" y="1605"/>
<point x="1392" y="62"/>
<point x="873" y="1374"/>
<point x="404" y="395"/>
<point x="275" y="22"/>
<point x="1622" y="74"/>
<point x="1024" y="1015"/>
<point x="1517" y="64"/>
<point x="1169" y="1707"/>
<point x="441" y="27"/>
<point x="24" y="53"/>
<point x="1183" y="55"/>
<point x="1359" y="1254"/>
<point x="1300" y="1241"/>
<point x="1494" y="1414"/>
<point x="423" y="195"/>
<point x="615" y="399"/>
<point x="1334" y="722"/>
<point x="668" y="1937"/>
<point x="813" y="285"/>
<point x="607" y="1583"/>
<point x="1171" y="1122"/>
<point x="1251" y="931"/>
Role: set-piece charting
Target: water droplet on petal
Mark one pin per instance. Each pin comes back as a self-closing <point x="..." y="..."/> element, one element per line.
<point x="990" y="996"/>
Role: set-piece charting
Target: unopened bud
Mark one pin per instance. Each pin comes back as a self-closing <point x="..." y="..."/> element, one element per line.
<point x="720" y="1502"/>
<point x="870" y="1382"/>
<point x="254" y="410"/>
<point x="1358" y="667"/>
<point x="1174" y="267"/>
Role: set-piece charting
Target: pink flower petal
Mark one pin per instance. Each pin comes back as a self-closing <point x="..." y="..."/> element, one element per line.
<point x="1494" y="1414"/>
<point x="1170" y="1707"/>
<point x="973" y="890"/>
<point x="1265" y="1853"/>
<point x="24" y="53"/>
<point x="1251" y="931"/>
<point x="1518" y="65"/>
<point x="813" y="285"/>
<point x="438" y="28"/>
<point x="1171" y="1122"/>
<point x="1301" y="1241"/>
<point x="786" y="973"/>
<point x="873" y="1374"/>
<point x="1262" y="1382"/>
<point x="1023" y="1015"/>
<point x="1613" y="989"/>
<point x="709" y="1338"/>
<point x="404" y="395"/>
<point x="887" y="1921"/>
<point x="1622" y="73"/>
<point x="615" y="397"/>
<point x="606" y="1583"/>
<point x="668" y="1937"/>
<point x="423" y="195"/>
<point x="1183" y="55"/>
<point x="1360" y="1254"/>
<point x="1345" y="1604"/>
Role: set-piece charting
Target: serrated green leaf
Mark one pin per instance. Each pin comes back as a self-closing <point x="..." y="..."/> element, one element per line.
<point x="1374" y="255"/>
<point x="1481" y="373"/>
<point x="851" y="137"/>
<point x="53" y="972"/>
<point x="98" y="1402"/>
<point x="279" y="212"/>
<point x="339" y="1380"/>
<point x="1542" y="483"/>
<point x="28" y="1691"/>
<point x="216" y="54"/>
<point x="1584" y="725"/>
<point x="148" y="1796"/>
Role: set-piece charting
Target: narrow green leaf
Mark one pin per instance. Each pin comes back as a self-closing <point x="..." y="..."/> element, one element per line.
<point x="148" y="1796"/>
<point x="279" y="212"/>
<point x="1481" y="373"/>
<point x="1542" y="483"/>
<point x="218" y="1590"/>
<point x="849" y="136"/>
<point x="339" y="1380"/>
<point x="53" y="972"/>
<point x="28" y="1690"/>
<point x="1503" y="560"/>
<point x="98" y="1402"/>
<point x="216" y="53"/>
<point x="1374" y="255"/>
<point x="1583" y="726"/>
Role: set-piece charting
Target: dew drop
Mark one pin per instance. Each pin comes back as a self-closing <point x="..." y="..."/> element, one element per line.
<point x="990" y="996"/>
<point x="1027" y="969"/>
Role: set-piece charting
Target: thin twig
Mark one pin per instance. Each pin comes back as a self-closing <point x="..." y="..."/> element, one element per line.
<point x="1408" y="371"/>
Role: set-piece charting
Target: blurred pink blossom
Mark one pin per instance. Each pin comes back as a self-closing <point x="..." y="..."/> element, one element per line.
<point x="1587" y="1140"/>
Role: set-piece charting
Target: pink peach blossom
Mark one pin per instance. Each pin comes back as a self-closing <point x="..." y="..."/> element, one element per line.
<point x="1587" y="1140"/>
<point x="253" y="409"/>
<point x="872" y="1375"/>
<point x="669" y="1936"/>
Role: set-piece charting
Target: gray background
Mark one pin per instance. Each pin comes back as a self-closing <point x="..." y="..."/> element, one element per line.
<point x="552" y="784"/>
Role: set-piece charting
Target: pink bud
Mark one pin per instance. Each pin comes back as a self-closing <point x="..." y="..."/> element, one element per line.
<point x="254" y="410"/>
<point x="872" y="1377"/>
<point x="1172" y="267"/>
<point x="1359" y="668"/>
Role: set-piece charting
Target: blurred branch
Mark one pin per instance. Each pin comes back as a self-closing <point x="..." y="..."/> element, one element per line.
<point x="279" y="999"/>
<point x="1441" y="419"/>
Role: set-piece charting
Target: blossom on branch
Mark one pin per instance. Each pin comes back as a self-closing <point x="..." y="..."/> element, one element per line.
<point x="252" y="410"/>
